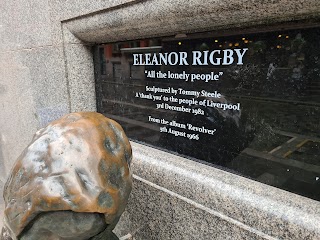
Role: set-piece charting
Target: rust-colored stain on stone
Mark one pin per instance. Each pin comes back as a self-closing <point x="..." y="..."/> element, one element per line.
<point x="78" y="163"/>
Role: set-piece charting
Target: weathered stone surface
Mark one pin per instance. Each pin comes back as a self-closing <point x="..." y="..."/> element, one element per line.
<point x="79" y="163"/>
<point x="135" y="21"/>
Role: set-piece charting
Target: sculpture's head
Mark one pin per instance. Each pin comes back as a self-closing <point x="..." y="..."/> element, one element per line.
<point x="77" y="164"/>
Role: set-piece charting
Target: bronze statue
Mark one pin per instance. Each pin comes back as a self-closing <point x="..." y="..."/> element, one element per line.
<point x="72" y="181"/>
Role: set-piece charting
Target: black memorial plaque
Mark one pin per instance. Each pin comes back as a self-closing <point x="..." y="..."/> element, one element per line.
<point x="249" y="103"/>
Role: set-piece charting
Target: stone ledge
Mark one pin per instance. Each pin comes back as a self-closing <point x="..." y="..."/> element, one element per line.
<point x="165" y="18"/>
<point x="270" y="210"/>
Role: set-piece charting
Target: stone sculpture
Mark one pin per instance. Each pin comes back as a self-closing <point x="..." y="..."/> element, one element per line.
<point x="72" y="181"/>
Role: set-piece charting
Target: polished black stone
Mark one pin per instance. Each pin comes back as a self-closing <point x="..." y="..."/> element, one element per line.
<point x="257" y="114"/>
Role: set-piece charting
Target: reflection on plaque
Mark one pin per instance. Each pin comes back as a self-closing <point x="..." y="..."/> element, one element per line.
<point x="117" y="71"/>
<point x="249" y="103"/>
<point x="137" y="72"/>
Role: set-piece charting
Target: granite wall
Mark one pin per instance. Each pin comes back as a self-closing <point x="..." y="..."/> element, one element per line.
<point x="46" y="71"/>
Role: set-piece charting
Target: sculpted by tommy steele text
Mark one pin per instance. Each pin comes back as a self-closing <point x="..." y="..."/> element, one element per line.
<point x="72" y="182"/>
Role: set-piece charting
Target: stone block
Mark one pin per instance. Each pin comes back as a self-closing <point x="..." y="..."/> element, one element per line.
<point x="49" y="84"/>
<point x="167" y="215"/>
<point x="27" y="101"/>
<point x="25" y="24"/>
<point x="64" y="10"/>
<point x="146" y="19"/>
<point x="82" y="89"/>
<point x="263" y="210"/>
